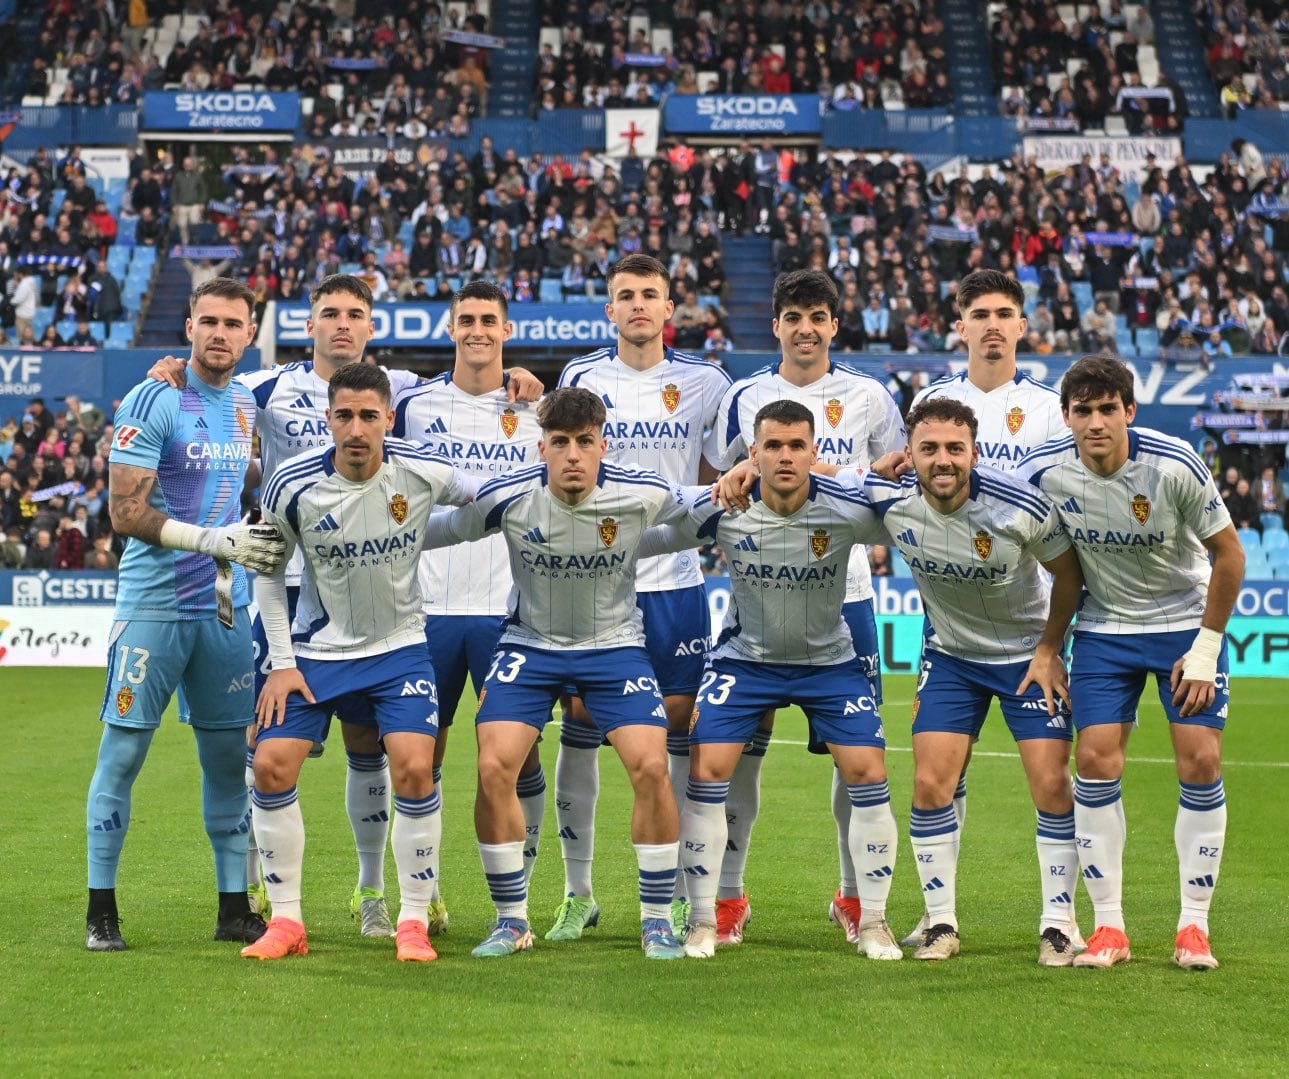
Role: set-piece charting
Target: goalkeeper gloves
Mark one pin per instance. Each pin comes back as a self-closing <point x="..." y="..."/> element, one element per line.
<point x="257" y="547"/>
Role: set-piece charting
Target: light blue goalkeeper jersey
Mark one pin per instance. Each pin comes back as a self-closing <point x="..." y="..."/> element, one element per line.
<point x="198" y="441"/>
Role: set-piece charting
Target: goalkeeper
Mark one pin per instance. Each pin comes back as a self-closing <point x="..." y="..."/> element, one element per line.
<point x="177" y="466"/>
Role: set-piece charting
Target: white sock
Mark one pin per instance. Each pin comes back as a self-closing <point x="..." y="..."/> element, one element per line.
<point x="933" y="834"/>
<point x="367" y="803"/>
<point x="279" y="830"/>
<point x="657" y="865"/>
<point x="417" y="836"/>
<point x="532" y="800"/>
<point x="741" y="810"/>
<point x="577" y="789"/>
<point x="253" y="872"/>
<point x="1058" y="869"/>
<point x="874" y="839"/>
<point x="841" y="808"/>
<point x="1200" y="835"/>
<point x="437" y="897"/>
<point x="1101" y="832"/>
<point x="960" y="808"/>
<point x="503" y="866"/>
<point x="703" y="845"/>
<point x="678" y="772"/>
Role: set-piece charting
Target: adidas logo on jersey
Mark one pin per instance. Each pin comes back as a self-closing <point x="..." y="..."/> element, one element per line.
<point x="1057" y="723"/>
<point x="747" y="543"/>
<point x="201" y="424"/>
<point x="1071" y="506"/>
<point x="1206" y="881"/>
<point x="327" y="524"/>
<point x="908" y="537"/>
<point x="303" y="401"/>
<point x="533" y="535"/>
<point x="438" y="427"/>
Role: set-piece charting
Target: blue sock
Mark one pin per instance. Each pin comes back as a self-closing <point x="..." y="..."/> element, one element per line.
<point x="225" y="802"/>
<point x="121" y="754"/>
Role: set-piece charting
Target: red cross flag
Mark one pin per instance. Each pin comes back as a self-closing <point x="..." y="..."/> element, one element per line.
<point x="631" y="127"/>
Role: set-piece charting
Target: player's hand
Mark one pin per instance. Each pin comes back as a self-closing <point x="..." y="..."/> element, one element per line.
<point x="171" y="370"/>
<point x="731" y="490"/>
<point x="1047" y="671"/>
<point x="892" y="465"/>
<point x="257" y="547"/>
<point x="1194" y="677"/>
<point x="523" y="385"/>
<point x="270" y="709"/>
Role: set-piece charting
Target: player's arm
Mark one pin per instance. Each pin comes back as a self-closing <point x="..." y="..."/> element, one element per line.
<point x="1194" y="679"/>
<point x="284" y="678"/>
<point x="172" y="370"/>
<point x="1047" y="668"/>
<point x="523" y="385"/>
<point x="679" y="523"/>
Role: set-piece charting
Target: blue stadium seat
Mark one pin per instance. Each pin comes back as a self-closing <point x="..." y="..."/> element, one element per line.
<point x="125" y="233"/>
<point x="1250" y="538"/>
<point x="1147" y="341"/>
<point x="118" y="261"/>
<point x="1272" y="522"/>
<point x="1258" y="570"/>
<point x="1280" y="573"/>
<point x="551" y="290"/>
<point x="1277" y="540"/>
<point x="144" y="256"/>
<point x="122" y="335"/>
<point x="1082" y="293"/>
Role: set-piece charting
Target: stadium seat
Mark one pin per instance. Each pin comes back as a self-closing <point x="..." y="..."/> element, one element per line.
<point x="551" y="290"/>
<point x="144" y="256"/>
<point x="1250" y="538"/>
<point x="1257" y="569"/>
<point x="1272" y="522"/>
<point x="1276" y="540"/>
<point x="1082" y="294"/>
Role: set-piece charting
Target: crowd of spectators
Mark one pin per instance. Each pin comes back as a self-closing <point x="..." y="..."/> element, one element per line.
<point x="1247" y="48"/>
<point x="53" y="488"/>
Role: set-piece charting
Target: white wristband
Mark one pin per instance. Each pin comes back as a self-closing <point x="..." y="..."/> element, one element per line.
<point x="1200" y="663"/>
<point x="181" y="536"/>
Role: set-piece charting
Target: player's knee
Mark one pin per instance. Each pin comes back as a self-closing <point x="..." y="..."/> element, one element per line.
<point x="1199" y="764"/>
<point x="496" y="775"/>
<point x="274" y="773"/>
<point x="1053" y="792"/>
<point x="413" y="779"/>
<point x="1099" y="762"/>
<point x="649" y="771"/>
<point x="932" y="790"/>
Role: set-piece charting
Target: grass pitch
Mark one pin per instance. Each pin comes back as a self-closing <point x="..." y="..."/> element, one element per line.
<point x="794" y="999"/>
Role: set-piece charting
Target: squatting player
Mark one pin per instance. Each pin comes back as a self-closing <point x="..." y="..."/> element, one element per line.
<point x="856" y="422"/>
<point x="572" y="526"/>
<point x="785" y="642"/>
<point x="1144" y="515"/>
<point x="178" y="461"/>
<point x="660" y="405"/>
<point x="358" y="512"/>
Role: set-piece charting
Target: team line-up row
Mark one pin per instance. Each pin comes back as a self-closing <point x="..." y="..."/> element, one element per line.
<point x="567" y="570"/>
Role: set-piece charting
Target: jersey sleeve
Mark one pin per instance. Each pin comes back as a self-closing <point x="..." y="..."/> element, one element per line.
<point x="728" y="444"/>
<point x="678" y="531"/>
<point x="1199" y="504"/>
<point x="143" y="423"/>
<point x="718" y="385"/>
<point x="866" y="523"/>
<point x="1049" y="538"/>
<point x="401" y="381"/>
<point x="888" y="433"/>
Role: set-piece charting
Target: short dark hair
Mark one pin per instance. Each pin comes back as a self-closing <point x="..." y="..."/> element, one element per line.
<point x="783" y="411"/>
<point x="223" y="288"/>
<point x="805" y="288"/>
<point x="359" y="377"/>
<point x="571" y="408"/>
<point x="1097" y="376"/>
<point x="341" y="282"/>
<point x="946" y="409"/>
<point x="641" y="266"/>
<point x="982" y="282"/>
<point x="479" y="290"/>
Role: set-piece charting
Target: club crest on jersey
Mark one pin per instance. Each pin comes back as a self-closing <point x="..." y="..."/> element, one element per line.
<point x="671" y="396"/>
<point x="983" y="543"/>
<point x="242" y="423"/>
<point x="608" y="531"/>
<point x="820" y="542"/>
<point x="833" y="411"/>
<point x="398" y="508"/>
<point x="124" y="700"/>
<point x="1015" y="419"/>
<point x="510" y="422"/>
<point x="1141" y="509"/>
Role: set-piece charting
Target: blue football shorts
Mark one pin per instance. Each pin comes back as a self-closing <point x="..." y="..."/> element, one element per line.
<point x="460" y="645"/>
<point x="209" y="664"/>
<point x="395" y="689"/>
<point x="862" y="621"/>
<point x="837" y="700"/>
<point x="1109" y="672"/>
<point x="953" y="695"/>
<point x="617" y="685"/>
<point x="677" y="627"/>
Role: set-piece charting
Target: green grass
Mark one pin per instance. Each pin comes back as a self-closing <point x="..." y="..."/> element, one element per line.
<point x="794" y="999"/>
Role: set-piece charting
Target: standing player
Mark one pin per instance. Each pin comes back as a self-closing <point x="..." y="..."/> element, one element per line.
<point x="856" y="422"/>
<point x="178" y="462"/>
<point x="571" y="526"/>
<point x="1145" y="515"/>
<point x="466" y="416"/>
<point x="358" y="512"/>
<point x="975" y="539"/>
<point x="1014" y="414"/>
<point x="659" y="403"/>
<point x="784" y="642"/>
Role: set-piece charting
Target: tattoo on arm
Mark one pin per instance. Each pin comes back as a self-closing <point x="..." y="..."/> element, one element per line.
<point x="128" y="491"/>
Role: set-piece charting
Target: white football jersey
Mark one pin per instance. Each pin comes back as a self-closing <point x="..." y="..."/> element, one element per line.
<point x="661" y="419"/>
<point x="1138" y="533"/>
<point x="856" y="421"/>
<point x="574" y="566"/>
<point x="291" y="417"/>
<point x="483" y="435"/>
<point x="1012" y="419"/>
<point x="978" y="569"/>
<point x="787" y="574"/>
<point x="361" y="543"/>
